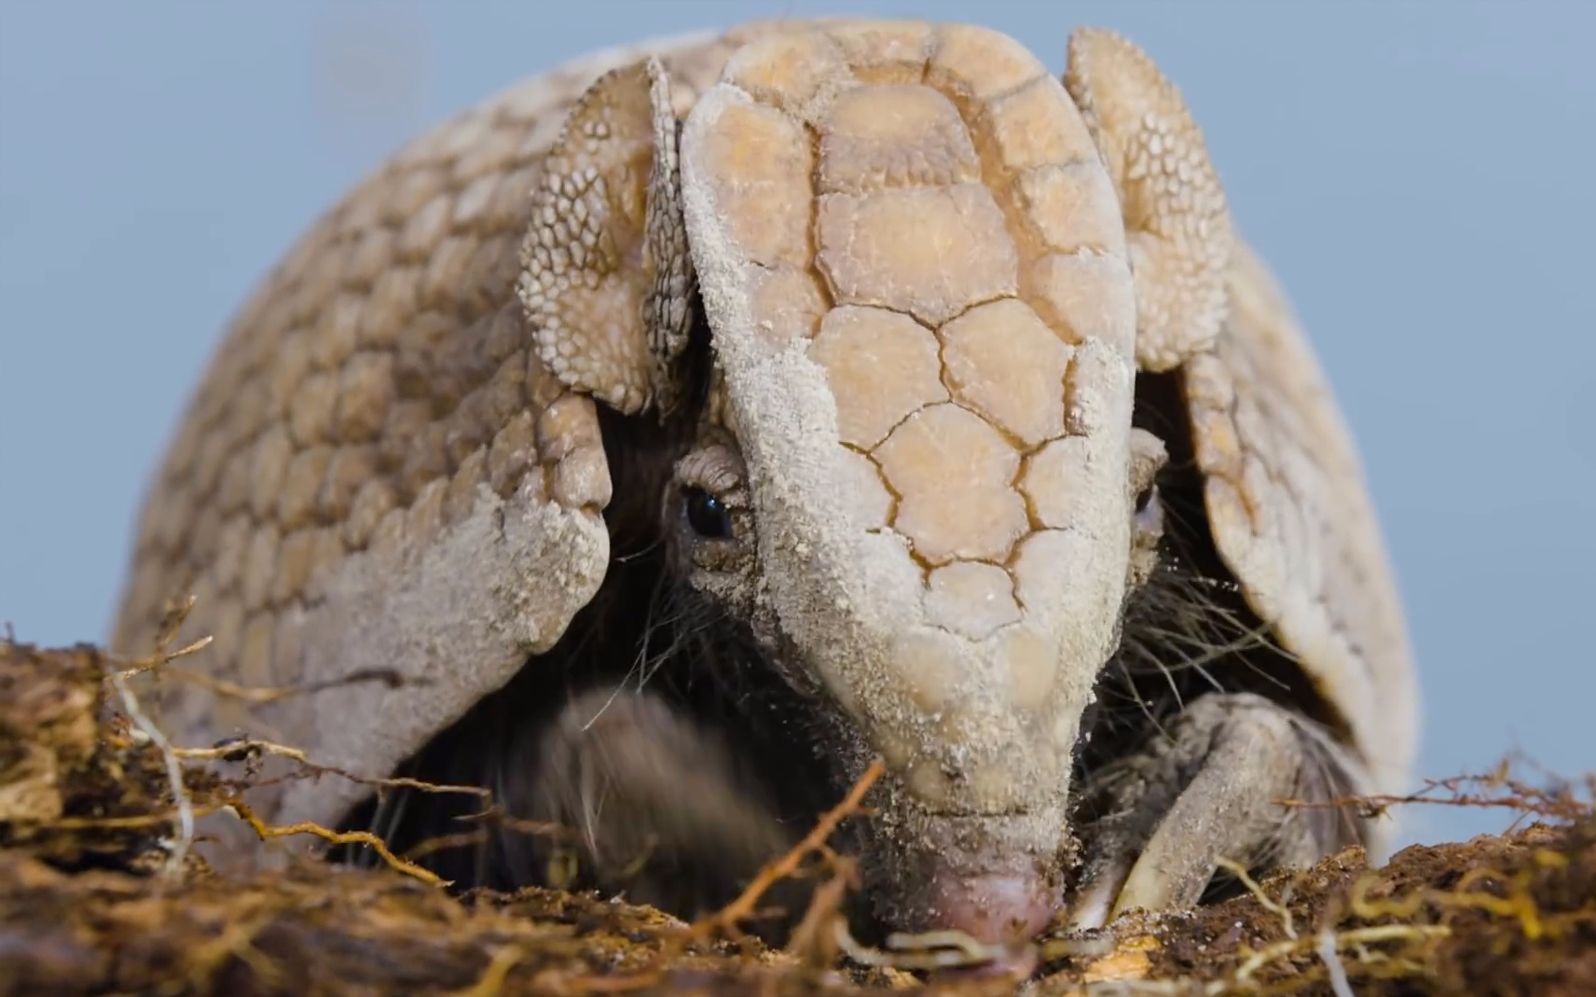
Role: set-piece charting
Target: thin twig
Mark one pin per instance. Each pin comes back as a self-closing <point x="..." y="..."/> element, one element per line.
<point x="150" y="662"/>
<point x="258" y="695"/>
<point x="1326" y="949"/>
<point x="235" y="749"/>
<point x="495" y="973"/>
<point x="1352" y="936"/>
<point x="267" y="831"/>
<point x="173" y="867"/>
<point x="808" y="941"/>
<point x="932" y="950"/>
<point x="1280" y="910"/>
<point x="167" y="633"/>
<point x="727" y="918"/>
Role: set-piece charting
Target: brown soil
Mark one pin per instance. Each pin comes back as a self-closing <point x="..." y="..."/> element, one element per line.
<point x="100" y="892"/>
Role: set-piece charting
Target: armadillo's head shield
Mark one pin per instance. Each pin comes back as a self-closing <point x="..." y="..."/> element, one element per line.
<point x="913" y="266"/>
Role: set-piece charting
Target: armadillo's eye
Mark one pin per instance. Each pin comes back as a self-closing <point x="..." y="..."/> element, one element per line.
<point x="1145" y="498"/>
<point x="1149" y="510"/>
<point x="707" y="515"/>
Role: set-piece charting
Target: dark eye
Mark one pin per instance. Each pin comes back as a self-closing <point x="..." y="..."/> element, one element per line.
<point x="707" y="515"/>
<point x="1145" y="498"/>
<point x="1149" y="509"/>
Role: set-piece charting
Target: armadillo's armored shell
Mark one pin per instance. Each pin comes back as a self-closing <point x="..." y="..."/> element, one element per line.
<point x="380" y="494"/>
<point x="1286" y="500"/>
<point x="1291" y="517"/>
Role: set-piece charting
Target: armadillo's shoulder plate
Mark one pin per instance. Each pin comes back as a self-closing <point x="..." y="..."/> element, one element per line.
<point x="1291" y="516"/>
<point x="381" y="496"/>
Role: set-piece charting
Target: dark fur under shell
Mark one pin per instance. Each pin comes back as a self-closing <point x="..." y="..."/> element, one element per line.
<point x="1186" y="632"/>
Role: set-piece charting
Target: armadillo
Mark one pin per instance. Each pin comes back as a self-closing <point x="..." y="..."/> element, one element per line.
<point x="664" y="439"/>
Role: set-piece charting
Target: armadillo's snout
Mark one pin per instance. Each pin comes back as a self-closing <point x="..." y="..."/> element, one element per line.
<point x="1004" y="909"/>
<point x="995" y="879"/>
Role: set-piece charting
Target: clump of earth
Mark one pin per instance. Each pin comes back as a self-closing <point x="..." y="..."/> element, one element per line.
<point x="103" y="890"/>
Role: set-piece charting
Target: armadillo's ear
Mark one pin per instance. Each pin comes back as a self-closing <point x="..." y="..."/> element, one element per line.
<point x="1176" y="222"/>
<point x="606" y="280"/>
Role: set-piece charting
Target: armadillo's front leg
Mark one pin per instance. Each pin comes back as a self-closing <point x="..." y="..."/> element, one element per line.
<point x="1208" y="788"/>
<point x="660" y="805"/>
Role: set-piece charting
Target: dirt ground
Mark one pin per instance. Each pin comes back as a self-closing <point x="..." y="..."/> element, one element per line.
<point x="101" y="891"/>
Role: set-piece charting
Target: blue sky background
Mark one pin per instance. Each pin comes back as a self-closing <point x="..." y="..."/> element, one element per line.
<point x="1419" y="174"/>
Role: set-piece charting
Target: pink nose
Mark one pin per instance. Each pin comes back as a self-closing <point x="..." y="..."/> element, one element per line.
<point x="1005" y="910"/>
<point x="995" y="908"/>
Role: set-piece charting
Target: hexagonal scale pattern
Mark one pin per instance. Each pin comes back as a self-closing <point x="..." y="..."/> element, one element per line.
<point x="876" y="138"/>
<point x="1005" y="363"/>
<point x="953" y="473"/>
<point x="881" y="366"/>
<point x="928" y="251"/>
<point x="971" y="598"/>
<point x="967" y="238"/>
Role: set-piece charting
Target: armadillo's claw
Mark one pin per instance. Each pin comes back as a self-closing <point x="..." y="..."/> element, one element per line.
<point x="1211" y="788"/>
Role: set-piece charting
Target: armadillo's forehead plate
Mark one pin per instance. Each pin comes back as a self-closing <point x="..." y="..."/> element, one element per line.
<point x="914" y="267"/>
